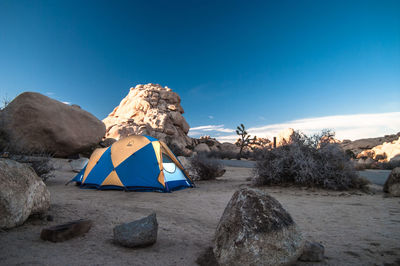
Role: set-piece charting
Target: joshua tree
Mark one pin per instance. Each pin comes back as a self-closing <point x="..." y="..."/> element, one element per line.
<point x="244" y="139"/>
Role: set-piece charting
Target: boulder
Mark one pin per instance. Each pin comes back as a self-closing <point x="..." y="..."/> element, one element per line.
<point x="202" y="147"/>
<point x="256" y="230"/>
<point x="312" y="252"/>
<point x="140" y="233"/>
<point x="22" y="193"/>
<point x="150" y="110"/>
<point x="35" y="123"/>
<point x="392" y="184"/>
<point x="229" y="148"/>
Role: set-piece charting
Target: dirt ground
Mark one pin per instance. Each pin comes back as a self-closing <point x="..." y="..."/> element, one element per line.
<point x="355" y="228"/>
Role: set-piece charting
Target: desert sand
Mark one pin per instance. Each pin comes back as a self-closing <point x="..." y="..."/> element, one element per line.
<point x="355" y="228"/>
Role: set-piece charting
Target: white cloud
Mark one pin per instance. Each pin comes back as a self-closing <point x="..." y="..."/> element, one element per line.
<point x="206" y="130"/>
<point x="211" y="117"/>
<point x="67" y="103"/>
<point x="346" y="126"/>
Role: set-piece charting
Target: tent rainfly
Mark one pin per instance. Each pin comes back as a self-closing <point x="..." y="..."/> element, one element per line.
<point x="138" y="163"/>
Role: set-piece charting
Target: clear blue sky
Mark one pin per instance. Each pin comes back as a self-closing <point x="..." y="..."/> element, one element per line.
<point x="252" y="62"/>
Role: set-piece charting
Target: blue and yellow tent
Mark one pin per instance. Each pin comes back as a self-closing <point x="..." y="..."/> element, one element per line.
<point x="139" y="163"/>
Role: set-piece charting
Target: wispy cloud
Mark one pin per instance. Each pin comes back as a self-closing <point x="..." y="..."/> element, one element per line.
<point x="50" y="93"/>
<point x="207" y="130"/>
<point x="211" y="117"/>
<point x="67" y="103"/>
<point x="346" y="126"/>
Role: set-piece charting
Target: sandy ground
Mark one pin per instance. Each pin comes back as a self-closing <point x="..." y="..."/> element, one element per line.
<point x="355" y="228"/>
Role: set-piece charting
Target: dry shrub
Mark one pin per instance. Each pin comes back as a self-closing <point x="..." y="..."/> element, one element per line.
<point x="308" y="161"/>
<point x="205" y="168"/>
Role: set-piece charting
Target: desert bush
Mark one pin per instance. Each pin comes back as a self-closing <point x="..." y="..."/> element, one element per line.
<point x="307" y="161"/>
<point x="205" y="168"/>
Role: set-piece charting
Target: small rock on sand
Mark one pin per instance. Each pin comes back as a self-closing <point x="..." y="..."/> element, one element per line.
<point x="140" y="233"/>
<point x="63" y="232"/>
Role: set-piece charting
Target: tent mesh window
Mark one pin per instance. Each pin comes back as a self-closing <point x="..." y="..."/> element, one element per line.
<point x="168" y="164"/>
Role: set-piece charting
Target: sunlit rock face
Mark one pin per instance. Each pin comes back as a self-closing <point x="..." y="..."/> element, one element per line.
<point x="383" y="153"/>
<point x="150" y="110"/>
<point x="284" y="137"/>
<point x="357" y="146"/>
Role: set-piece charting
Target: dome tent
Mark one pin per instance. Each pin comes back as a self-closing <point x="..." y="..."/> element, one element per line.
<point x="139" y="163"/>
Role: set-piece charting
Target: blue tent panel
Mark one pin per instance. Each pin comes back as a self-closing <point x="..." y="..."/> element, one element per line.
<point x="78" y="178"/>
<point x="101" y="170"/>
<point x="177" y="185"/>
<point x="140" y="170"/>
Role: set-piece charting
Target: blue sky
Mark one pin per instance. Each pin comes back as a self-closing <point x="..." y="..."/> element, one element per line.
<point x="260" y="63"/>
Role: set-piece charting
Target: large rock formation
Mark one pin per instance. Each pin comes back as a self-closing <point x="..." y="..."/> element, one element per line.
<point x="35" y="123"/>
<point x="22" y="193"/>
<point x="383" y="153"/>
<point x="360" y="145"/>
<point x="150" y="110"/>
<point x="255" y="230"/>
